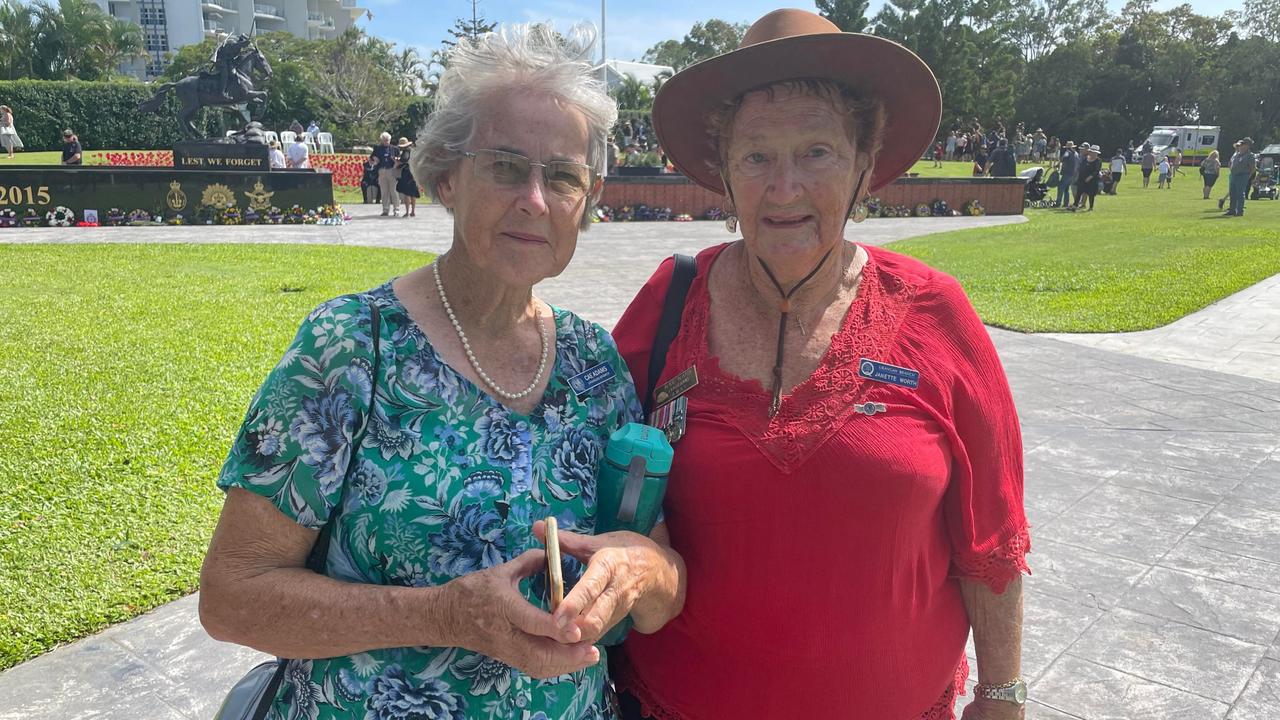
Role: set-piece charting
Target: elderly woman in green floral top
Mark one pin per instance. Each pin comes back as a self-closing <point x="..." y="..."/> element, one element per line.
<point x="436" y="469"/>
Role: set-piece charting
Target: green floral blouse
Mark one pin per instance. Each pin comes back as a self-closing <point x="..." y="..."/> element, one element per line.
<point x="446" y="481"/>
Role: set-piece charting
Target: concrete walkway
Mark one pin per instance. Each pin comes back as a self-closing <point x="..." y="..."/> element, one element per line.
<point x="1153" y="490"/>
<point x="1239" y="335"/>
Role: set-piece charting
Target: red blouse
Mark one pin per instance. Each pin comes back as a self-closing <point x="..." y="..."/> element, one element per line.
<point x="823" y="546"/>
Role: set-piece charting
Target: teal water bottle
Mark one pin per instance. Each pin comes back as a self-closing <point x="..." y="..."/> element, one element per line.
<point x="629" y="489"/>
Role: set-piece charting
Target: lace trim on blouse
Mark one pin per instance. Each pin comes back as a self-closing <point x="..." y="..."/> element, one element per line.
<point x="1000" y="566"/>
<point x="816" y="408"/>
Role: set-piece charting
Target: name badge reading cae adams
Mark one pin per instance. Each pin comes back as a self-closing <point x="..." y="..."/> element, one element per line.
<point x="886" y="373"/>
<point x="590" y="379"/>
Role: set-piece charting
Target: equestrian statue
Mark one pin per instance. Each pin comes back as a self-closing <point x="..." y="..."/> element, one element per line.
<point x="228" y="83"/>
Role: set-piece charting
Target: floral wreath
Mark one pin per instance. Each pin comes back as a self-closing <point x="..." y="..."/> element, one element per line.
<point x="61" y="216"/>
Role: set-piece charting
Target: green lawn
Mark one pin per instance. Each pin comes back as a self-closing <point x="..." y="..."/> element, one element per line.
<point x="124" y="372"/>
<point x="341" y="195"/>
<point x="1142" y="259"/>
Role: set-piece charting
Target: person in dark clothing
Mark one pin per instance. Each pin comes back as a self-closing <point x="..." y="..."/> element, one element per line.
<point x="980" y="162"/>
<point x="406" y="185"/>
<point x="369" y="182"/>
<point x="1003" y="162"/>
<point x="1090" y="177"/>
<point x="72" y="153"/>
<point x="388" y="175"/>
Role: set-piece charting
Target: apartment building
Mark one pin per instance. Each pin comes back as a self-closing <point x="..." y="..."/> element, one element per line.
<point x="170" y="24"/>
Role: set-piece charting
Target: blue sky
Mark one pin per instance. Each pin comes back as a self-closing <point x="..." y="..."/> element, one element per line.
<point x="632" y="27"/>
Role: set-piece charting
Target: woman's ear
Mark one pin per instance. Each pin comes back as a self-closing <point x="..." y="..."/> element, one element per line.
<point x="445" y="192"/>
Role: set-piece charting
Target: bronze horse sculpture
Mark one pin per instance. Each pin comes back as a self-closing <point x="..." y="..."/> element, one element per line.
<point x="204" y="90"/>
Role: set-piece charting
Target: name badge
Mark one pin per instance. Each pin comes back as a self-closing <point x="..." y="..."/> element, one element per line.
<point x="671" y="418"/>
<point x="676" y="386"/>
<point x="590" y="379"/>
<point x="886" y="373"/>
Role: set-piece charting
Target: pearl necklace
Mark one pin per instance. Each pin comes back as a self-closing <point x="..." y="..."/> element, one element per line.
<point x="471" y="356"/>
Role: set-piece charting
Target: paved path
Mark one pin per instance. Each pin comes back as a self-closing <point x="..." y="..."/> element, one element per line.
<point x="1153" y="490"/>
<point x="1239" y="334"/>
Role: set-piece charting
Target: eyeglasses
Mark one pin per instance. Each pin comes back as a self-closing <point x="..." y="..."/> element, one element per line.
<point x="568" y="179"/>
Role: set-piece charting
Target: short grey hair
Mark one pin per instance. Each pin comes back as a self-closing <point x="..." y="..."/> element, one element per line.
<point x="529" y="58"/>
<point x="864" y="117"/>
<point x="384" y="137"/>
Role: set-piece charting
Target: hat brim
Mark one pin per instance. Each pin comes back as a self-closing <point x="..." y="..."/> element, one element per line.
<point x="872" y="66"/>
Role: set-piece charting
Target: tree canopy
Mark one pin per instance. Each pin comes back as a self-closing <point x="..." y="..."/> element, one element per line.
<point x="69" y="40"/>
<point x="1100" y="77"/>
<point x="705" y="40"/>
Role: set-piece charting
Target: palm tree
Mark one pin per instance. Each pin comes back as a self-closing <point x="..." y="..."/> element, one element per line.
<point x="632" y="94"/>
<point x="122" y="43"/>
<point x="412" y="71"/>
<point x="66" y="36"/>
<point x="17" y="39"/>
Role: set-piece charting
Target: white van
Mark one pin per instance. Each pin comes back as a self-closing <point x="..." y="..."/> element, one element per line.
<point x="1196" y="141"/>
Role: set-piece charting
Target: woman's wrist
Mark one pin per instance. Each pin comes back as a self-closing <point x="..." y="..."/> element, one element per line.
<point x="659" y="593"/>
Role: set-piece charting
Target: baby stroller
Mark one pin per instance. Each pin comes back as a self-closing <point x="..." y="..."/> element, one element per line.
<point x="1035" y="191"/>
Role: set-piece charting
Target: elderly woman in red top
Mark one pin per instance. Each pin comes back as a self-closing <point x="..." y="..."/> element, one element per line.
<point x="847" y="493"/>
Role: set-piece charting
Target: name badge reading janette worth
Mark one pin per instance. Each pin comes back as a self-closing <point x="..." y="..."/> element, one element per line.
<point x="676" y="386"/>
<point x="886" y="373"/>
<point x="590" y="379"/>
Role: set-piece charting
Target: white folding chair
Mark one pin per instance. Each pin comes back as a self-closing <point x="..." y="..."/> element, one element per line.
<point x="288" y="137"/>
<point x="310" y="140"/>
<point x="271" y="136"/>
<point x="230" y="133"/>
<point x="325" y="141"/>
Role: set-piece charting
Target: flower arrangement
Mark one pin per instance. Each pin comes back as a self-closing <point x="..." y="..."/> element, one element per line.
<point x="8" y="218"/>
<point x="923" y="210"/>
<point x="86" y="223"/>
<point x="714" y="213"/>
<point x="230" y="215"/>
<point x="296" y="215"/>
<point x="275" y="215"/>
<point x="61" y="216"/>
<point x="311" y="218"/>
<point x="973" y="208"/>
<point x="115" y="216"/>
<point x="31" y="218"/>
<point x="175" y="220"/>
<point x="940" y="208"/>
<point x="139" y="217"/>
<point x="331" y="215"/>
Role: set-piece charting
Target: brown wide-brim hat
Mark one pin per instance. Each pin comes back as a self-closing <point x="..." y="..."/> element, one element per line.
<point x="404" y="143"/>
<point x="795" y="44"/>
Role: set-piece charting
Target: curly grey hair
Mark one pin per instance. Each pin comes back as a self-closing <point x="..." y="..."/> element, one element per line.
<point x="530" y="58"/>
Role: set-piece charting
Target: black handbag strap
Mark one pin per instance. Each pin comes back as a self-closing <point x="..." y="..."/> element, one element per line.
<point x="320" y="550"/>
<point x="686" y="269"/>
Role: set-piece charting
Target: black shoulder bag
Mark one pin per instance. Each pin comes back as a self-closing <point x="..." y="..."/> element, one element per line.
<point x="252" y="696"/>
<point x="686" y="268"/>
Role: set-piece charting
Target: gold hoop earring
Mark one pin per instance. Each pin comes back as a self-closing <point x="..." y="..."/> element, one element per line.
<point x="731" y="223"/>
<point x="859" y="212"/>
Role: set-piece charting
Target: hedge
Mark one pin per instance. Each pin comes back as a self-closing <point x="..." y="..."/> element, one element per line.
<point x="104" y="115"/>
